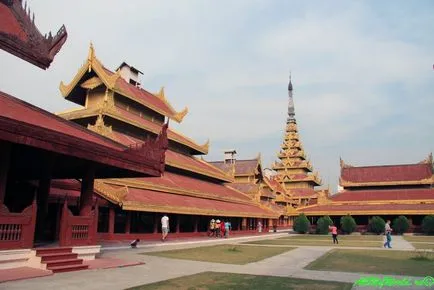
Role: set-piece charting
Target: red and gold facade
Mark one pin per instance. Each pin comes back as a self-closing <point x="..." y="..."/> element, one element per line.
<point x="386" y="190"/>
<point x="191" y="191"/>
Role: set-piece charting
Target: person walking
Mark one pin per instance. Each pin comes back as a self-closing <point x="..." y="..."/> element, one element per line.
<point x="334" y="231"/>
<point x="164" y="227"/>
<point x="388" y="233"/>
<point x="217" y="228"/>
<point x="222" y="229"/>
<point x="212" y="227"/>
<point x="228" y="227"/>
<point x="259" y="227"/>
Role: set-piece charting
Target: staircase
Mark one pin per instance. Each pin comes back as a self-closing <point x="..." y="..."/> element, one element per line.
<point x="60" y="260"/>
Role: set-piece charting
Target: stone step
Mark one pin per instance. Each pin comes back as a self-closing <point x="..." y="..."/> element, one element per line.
<point x="55" y="257"/>
<point x="58" y="250"/>
<point x="65" y="262"/>
<point x="68" y="268"/>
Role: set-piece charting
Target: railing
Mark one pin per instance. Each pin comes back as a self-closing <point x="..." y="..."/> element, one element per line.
<point x="17" y="229"/>
<point x="78" y="230"/>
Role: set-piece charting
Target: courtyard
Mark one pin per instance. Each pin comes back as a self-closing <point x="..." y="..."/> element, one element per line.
<point x="255" y="262"/>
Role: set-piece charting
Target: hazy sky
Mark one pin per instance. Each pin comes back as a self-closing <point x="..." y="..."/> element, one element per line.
<point x="362" y="71"/>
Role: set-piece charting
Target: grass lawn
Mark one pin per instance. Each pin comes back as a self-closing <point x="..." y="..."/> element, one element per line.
<point x="376" y="262"/>
<point x="343" y="237"/>
<point x="426" y="239"/>
<point x="226" y="254"/>
<point x="223" y="281"/>
<point x="426" y="246"/>
<point x="323" y="240"/>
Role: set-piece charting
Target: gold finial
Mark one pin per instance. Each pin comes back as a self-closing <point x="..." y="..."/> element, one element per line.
<point x="160" y="94"/>
<point x="206" y="145"/>
<point x="180" y="115"/>
<point x="91" y="56"/>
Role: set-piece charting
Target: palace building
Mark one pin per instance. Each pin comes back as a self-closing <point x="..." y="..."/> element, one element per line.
<point x="387" y="191"/>
<point x="191" y="191"/>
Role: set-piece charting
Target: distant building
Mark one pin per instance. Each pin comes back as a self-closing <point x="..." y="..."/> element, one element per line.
<point x="387" y="191"/>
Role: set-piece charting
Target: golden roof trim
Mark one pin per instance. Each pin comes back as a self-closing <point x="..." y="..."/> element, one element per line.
<point x="138" y="206"/>
<point x="101" y="128"/>
<point x="345" y="183"/>
<point x="91" y="83"/>
<point x="92" y="63"/>
<point x="89" y="111"/>
<point x="177" y="116"/>
<point x="173" y="190"/>
<point x="114" y="195"/>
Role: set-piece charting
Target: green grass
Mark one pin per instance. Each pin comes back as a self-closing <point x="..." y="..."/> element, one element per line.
<point x="226" y="254"/>
<point x="223" y="281"/>
<point x="427" y="239"/>
<point x="343" y="237"/>
<point x="376" y="262"/>
<point x="426" y="246"/>
<point x="323" y="240"/>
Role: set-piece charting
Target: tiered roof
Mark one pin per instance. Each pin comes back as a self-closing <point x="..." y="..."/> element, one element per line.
<point x="293" y="170"/>
<point x="385" y="175"/>
<point x="20" y="36"/>
<point x="30" y="126"/>
<point x="189" y="185"/>
<point x="382" y="190"/>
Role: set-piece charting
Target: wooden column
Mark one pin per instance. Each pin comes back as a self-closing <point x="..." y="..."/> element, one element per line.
<point x="111" y="228"/>
<point x="87" y="190"/>
<point x="5" y="154"/>
<point x="244" y="224"/>
<point x="177" y="224"/>
<point x="155" y="223"/>
<point x="196" y="224"/>
<point x="128" y="223"/>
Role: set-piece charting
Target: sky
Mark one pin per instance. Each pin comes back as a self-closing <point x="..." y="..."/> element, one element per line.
<point x="362" y="71"/>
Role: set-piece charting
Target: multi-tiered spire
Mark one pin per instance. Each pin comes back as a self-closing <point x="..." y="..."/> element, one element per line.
<point x="293" y="170"/>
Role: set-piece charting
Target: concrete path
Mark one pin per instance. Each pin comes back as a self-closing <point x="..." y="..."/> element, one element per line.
<point x="289" y="264"/>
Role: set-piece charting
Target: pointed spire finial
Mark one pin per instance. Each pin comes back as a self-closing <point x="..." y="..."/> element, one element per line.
<point x="290" y="82"/>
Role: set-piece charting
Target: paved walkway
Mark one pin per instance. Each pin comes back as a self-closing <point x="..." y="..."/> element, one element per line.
<point x="289" y="264"/>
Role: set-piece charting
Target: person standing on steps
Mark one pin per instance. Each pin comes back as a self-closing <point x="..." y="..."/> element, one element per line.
<point x="334" y="230"/>
<point x="388" y="233"/>
<point x="164" y="227"/>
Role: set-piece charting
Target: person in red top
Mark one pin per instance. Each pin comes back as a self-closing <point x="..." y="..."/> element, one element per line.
<point x="334" y="230"/>
<point x="222" y="229"/>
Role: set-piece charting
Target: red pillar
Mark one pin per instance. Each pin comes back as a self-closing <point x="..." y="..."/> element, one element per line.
<point x="177" y="224"/>
<point x="155" y="223"/>
<point x="196" y="224"/>
<point x="111" y="221"/>
<point x="5" y="153"/>
<point x="87" y="190"/>
<point x="128" y="223"/>
<point x="244" y="224"/>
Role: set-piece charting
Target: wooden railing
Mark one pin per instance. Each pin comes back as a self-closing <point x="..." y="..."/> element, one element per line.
<point x="78" y="230"/>
<point x="17" y="229"/>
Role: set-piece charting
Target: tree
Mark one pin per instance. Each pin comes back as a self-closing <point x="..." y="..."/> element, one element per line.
<point x="348" y="224"/>
<point x="301" y="224"/>
<point x="400" y="224"/>
<point x="428" y="224"/>
<point x="376" y="225"/>
<point x="322" y="225"/>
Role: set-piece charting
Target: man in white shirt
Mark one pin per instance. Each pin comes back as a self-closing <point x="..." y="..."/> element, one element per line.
<point x="388" y="233"/>
<point x="164" y="227"/>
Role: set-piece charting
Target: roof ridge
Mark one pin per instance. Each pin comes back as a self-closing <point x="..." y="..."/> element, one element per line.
<point x="58" y="118"/>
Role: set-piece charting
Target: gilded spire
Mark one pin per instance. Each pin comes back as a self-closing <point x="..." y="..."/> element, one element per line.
<point x="291" y="110"/>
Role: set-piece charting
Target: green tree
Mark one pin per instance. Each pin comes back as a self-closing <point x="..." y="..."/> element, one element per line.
<point x="301" y="224"/>
<point x="376" y="225"/>
<point x="428" y="224"/>
<point x="400" y="224"/>
<point x="348" y="224"/>
<point x="322" y="225"/>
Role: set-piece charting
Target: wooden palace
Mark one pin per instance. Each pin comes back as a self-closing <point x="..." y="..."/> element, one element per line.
<point x="191" y="191"/>
<point x="387" y="191"/>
